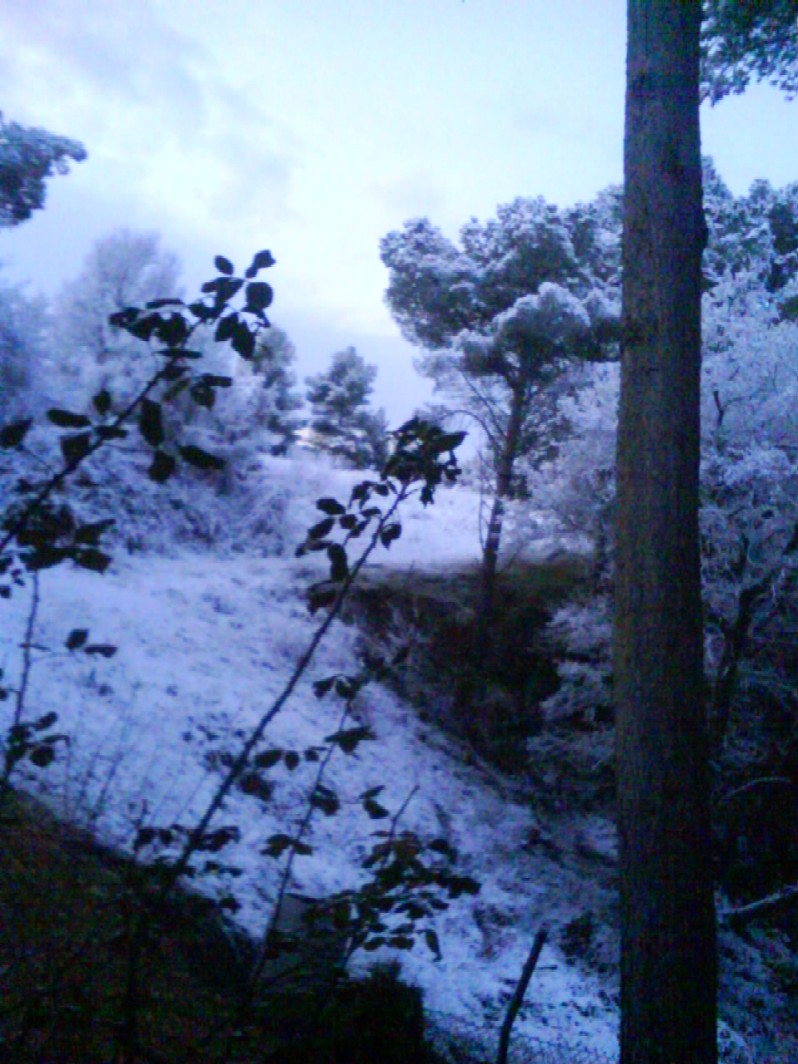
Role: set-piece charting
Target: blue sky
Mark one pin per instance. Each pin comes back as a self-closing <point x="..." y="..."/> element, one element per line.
<point x="313" y="127"/>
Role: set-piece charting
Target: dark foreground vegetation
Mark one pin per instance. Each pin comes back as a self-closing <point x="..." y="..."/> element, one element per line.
<point x="66" y="911"/>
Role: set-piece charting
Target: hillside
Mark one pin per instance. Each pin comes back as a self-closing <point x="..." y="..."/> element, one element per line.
<point x="207" y="639"/>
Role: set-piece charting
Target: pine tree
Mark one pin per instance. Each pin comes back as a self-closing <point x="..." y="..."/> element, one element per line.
<point x="668" y="952"/>
<point x="341" y="422"/>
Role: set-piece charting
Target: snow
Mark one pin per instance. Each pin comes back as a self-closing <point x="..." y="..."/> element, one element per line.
<point x="205" y="643"/>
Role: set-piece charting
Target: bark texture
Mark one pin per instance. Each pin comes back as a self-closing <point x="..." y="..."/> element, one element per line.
<point x="668" y="956"/>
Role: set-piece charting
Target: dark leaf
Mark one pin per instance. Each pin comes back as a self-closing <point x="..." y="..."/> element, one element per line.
<point x="348" y="740"/>
<point x="45" y="557"/>
<point x="102" y="650"/>
<point x="339" y="566"/>
<point x="144" y="836"/>
<point x="375" y="810"/>
<point x="66" y="420"/>
<point x="330" y="506"/>
<point x="322" y="529"/>
<point x="325" y="800"/>
<point x="111" y="432"/>
<point x="90" y="534"/>
<point x="151" y="422"/>
<point x="91" y="558"/>
<point x="243" y="341"/>
<point x="202" y="311"/>
<point x="291" y="759"/>
<point x="42" y="755"/>
<point x="372" y="792"/>
<point x="174" y="372"/>
<point x="449" y="441"/>
<point x="262" y="261"/>
<point x="76" y="638"/>
<point x="267" y="759"/>
<point x="143" y="326"/>
<point x="183" y="352"/>
<point x="226" y="328"/>
<point x="173" y="330"/>
<point x="213" y="841"/>
<point x="45" y="722"/>
<point x="322" y="687"/>
<point x="346" y="687"/>
<point x="372" y="944"/>
<point x="203" y="395"/>
<point x="259" y="295"/>
<point x="75" y="447"/>
<point x="276" y="845"/>
<point x="224" y="287"/>
<point x="390" y="533"/>
<point x="201" y="459"/>
<point x="214" y="380"/>
<point x="12" y="435"/>
<point x="163" y="466"/>
<point x="321" y="596"/>
<point x="102" y="402"/>
<point x="158" y="304"/>
<point x="224" y="265"/>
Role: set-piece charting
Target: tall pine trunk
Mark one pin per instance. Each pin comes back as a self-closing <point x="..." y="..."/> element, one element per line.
<point x="668" y="955"/>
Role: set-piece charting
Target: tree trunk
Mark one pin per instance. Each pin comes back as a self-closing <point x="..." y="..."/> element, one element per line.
<point x="668" y="955"/>
<point x="490" y="554"/>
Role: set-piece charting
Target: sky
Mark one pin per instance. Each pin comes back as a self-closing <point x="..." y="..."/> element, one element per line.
<point x="314" y="127"/>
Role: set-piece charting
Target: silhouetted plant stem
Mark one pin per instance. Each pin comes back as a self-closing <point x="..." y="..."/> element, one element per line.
<point x="518" y="995"/>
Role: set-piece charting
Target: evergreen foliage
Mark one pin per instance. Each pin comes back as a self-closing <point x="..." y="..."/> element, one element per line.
<point x="341" y="422"/>
<point x="28" y="157"/>
<point x="741" y="41"/>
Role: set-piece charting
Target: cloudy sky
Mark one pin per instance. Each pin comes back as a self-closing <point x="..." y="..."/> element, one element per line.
<point x="313" y="127"/>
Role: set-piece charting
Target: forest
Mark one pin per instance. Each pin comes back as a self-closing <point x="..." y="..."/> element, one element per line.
<point x="469" y="739"/>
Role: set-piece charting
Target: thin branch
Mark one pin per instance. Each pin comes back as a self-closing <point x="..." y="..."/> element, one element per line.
<point x="763" y="781"/>
<point x="782" y="899"/>
<point x="240" y="763"/>
<point x="22" y="689"/>
<point x="285" y="878"/>
<point x="518" y="995"/>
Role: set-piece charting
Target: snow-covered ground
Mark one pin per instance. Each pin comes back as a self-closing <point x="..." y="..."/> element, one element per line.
<point x="205" y="643"/>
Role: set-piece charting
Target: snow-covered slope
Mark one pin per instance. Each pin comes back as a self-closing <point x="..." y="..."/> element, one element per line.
<point x="205" y="644"/>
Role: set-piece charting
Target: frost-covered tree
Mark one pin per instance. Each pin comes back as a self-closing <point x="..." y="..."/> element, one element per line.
<point x="341" y="421"/>
<point x="23" y="352"/>
<point x="749" y="435"/>
<point x="121" y="270"/>
<point x="273" y="401"/>
<point x="752" y="238"/>
<point x="741" y="41"/>
<point x="499" y="317"/>
<point x="28" y="157"/>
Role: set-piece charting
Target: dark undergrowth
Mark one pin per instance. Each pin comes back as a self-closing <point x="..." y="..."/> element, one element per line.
<point x="66" y="912"/>
<point x="434" y="612"/>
